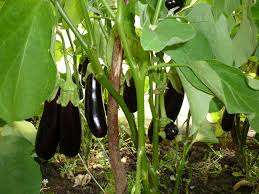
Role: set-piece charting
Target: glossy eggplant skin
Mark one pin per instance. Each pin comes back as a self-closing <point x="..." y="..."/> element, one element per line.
<point x="174" y="3"/>
<point x="82" y="68"/>
<point x="130" y="96"/>
<point x="70" y="130"/>
<point x="227" y="122"/>
<point x="48" y="132"/>
<point x="173" y="102"/>
<point x="94" y="107"/>
<point x="171" y="131"/>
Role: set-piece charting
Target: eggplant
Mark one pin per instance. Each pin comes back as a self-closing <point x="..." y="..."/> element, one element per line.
<point x="94" y="107"/>
<point x="173" y="4"/>
<point x="82" y="68"/>
<point x="70" y="130"/>
<point x="130" y="96"/>
<point x="173" y="101"/>
<point x="171" y="131"/>
<point x="228" y="121"/>
<point x="48" y="132"/>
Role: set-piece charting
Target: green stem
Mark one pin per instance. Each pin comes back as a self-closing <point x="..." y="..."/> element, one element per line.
<point x="158" y="8"/>
<point x="98" y="71"/>
<point x="68" y="70"/>
<point x="141" y="155"/>
<point x="74" y="60"/>
<point x="121" y="30"/>
<point x="162" y="107"/>
<point x="155" y="139"/>
<point x="181" y="166"/>
<point x="108" y="8"/>
<point x="87" y="21"/>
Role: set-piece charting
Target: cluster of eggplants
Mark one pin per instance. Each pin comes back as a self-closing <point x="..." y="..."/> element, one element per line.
<point x="94" y="107"/>
<point x="58" y="126"/>
<point x="170" y="4"/>
<point x="228" y="121"/>
<point x="173" y="101"/>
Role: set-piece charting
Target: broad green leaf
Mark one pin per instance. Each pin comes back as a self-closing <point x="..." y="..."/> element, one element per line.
<point x="199" y="107"/>
<point x="197" y="48"/>
<point x="245" y="42"/>
<point x="167" y="32"/>
<point x="28" y="72"/>
<point x="230" y="86"/>
<point x="216" y="32"/>
<point x="19" y="173"/>
<point x="23" y="129"/>
<point x="74" y="11"/>
<point x="215" y="105"/>
<point x="225" y="6"/>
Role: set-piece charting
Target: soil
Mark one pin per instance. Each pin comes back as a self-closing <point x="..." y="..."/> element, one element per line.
<point x="201" y="176"/>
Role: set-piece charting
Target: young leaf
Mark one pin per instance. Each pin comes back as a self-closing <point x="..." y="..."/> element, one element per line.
<point x="166" y="33"/>
<point x="27" y="71"/>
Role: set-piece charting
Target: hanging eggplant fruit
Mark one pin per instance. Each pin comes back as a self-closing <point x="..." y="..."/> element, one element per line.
<point x="130" y="96"/>
<point x="82" y="68"/>
<point x="228" y="121"/>
<point x="70" y="130"/>
<point x="173" y="103"/>
<point x="94" y="107"/>
<point x="178" y="4"/>
<point x="48" y="132"/>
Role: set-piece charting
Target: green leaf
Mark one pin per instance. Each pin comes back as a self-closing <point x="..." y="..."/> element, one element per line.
<point x="253" y="83"/>
<point x="19" y="173"/>
<point x="23" y="129"/>
<point x="27" y="71"/>
<point x="196" y="49"/>
<point x="167" y="32"/>
<point x="199" y="107"/>
<point x="74" y="11"/>
<point x="230" y="86"/>
<point x="215" y="105"/>
<point x="216" y="32"/>
<point x="245" y="42"/>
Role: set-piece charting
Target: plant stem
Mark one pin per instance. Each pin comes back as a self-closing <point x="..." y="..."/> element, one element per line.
<point x="68" y="70"/>
<point x="157" y="11"/>
<point x="181" y="166"/>
<point x="99" y="74"/>
<point x="87" y="22"/>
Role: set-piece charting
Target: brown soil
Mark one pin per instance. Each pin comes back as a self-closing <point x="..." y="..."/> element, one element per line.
<point x="199" y="177"/>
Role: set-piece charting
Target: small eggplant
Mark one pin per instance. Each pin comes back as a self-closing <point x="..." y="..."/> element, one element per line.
<point x="228" y="121"/>
<point x="173" y="102"/>
<point x="48" y="132"/>
<point x="70" y="130"/>
<point x="82" y="68"/>
<point x="94" y="107"/>
<point x="150" y="133"/>
<point x="173" y="4"/>
<point x="171" y="131"/>
<point x="130" y="96"/>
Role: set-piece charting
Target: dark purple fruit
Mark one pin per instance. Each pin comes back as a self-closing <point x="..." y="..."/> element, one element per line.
<point x="94" y="107"/>
<point x="228" y="121"/>
<point x="70" y="130"/>
<point x="130" y="96"/>
<point x="48" y="132"/>
<point x="174" y="3"/>
<point x="171" y="131"/>
<point x="173" y="102"/>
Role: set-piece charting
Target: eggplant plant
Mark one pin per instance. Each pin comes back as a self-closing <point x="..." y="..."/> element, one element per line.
<point x="196" y="48"/>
